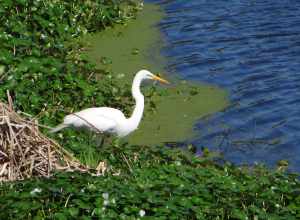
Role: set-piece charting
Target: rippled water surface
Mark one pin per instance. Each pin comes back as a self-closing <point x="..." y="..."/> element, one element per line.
<point x="251" y="48"/>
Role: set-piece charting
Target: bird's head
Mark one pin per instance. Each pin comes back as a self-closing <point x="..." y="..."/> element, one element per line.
<point x="145" y="74"/>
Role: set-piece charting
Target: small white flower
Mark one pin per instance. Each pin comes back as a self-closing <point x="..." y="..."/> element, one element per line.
<point x="105" y="196"/>
<point x="177" y="163"/>
<point x="142" y="213"/>
<point x="43" y="36"/>
<point x="35" y="190"/>
<point x="105" y="202"/>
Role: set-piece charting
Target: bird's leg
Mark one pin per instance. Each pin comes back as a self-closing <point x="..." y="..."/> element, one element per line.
<point x="100" y="139"/>
<point x="91" y="138"/>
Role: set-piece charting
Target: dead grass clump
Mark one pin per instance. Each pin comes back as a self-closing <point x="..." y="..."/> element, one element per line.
<point x="26" y="152"/>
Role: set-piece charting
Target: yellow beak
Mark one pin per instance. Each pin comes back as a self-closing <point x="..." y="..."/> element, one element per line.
<point x="157" y="78"/>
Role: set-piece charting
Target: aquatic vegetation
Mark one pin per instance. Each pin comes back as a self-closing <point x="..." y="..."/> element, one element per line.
<point x="39" y="57"/>
<point x="110" y="120"/>
<point x="42" y="66"/>
<point x="156" y="182"/>
<point x="118" y="50"/>
<point x="41" y="62"/>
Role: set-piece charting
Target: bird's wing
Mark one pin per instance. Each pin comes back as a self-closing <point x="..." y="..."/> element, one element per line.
<point x="99" y="119"/>
<point x="101" y="123"/>
<point x="110" y="113"/>
<point x="98" y="123"/>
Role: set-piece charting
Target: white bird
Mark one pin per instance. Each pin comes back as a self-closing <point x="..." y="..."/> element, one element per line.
<point x="110" y="120"/>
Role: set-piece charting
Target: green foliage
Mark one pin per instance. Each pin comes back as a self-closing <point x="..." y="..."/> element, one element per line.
<point x="162" y="183"/>
<point x="41" y="63"/>
<point x="40" y="58"/>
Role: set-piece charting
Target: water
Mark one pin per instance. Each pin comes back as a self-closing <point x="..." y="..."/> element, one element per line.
<point x="117" y="45"/>
<point x="251" y="48"/>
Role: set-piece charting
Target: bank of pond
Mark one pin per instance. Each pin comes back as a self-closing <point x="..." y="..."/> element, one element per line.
<point x="52" y="66"/>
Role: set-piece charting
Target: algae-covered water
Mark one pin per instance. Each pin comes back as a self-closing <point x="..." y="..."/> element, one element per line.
<point x="126" y="49"/>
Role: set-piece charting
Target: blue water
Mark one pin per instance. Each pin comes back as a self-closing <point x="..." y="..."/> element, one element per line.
<point x="251" y="49"/>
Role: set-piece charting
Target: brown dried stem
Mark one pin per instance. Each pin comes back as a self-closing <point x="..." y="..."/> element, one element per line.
<point x="26" y="152"/>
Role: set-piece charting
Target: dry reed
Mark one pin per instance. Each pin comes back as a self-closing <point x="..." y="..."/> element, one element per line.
<point x="26" y="152"/>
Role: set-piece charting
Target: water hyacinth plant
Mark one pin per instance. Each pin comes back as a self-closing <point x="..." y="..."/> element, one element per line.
<point x="156" y="183"/>
<point x="44" y="71"/>
<point x="39" y="58"/>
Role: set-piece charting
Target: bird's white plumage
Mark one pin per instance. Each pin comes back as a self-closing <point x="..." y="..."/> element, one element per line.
<point x="102" y="119"/>
<point x="110" y="120"/>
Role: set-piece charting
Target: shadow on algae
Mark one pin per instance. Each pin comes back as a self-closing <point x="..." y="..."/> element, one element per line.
<point x="124" y="50"/>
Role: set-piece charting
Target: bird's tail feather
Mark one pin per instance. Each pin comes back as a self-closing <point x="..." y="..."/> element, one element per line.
<point x="58" y="128"/>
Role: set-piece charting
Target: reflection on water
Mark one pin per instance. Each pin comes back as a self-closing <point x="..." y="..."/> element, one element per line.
<point x="252" y="48"/>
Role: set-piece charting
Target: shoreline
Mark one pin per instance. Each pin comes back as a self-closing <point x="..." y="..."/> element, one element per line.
<point x="117" y="50"/>
<point x="134" y="181"/>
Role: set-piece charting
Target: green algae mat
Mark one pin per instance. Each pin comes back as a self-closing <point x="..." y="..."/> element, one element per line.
<point x="124" y="50"/>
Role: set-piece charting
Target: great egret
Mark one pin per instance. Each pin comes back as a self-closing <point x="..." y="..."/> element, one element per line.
<point x="111" y="120"/>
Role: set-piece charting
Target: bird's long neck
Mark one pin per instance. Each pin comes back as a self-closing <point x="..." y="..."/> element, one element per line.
<point x="139" y="103"/>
